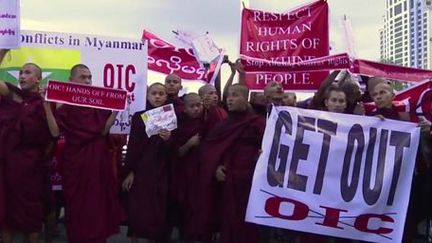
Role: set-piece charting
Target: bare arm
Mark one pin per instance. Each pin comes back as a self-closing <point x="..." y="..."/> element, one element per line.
<point x="109" y="122"/>
<point x="192" y="142"/>
<point x="52" y="124"/>
<point x="235" y="67"/>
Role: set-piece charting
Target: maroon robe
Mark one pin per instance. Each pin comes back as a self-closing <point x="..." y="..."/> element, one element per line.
<point x="184" y="176"/>
<point x="234" y="142"/>
<point x="213" y="116"/>
<point x="185" y="170"/>
<point x="178" y="104"/>
<point x="92" y="209"/>
<point x="147" y="201"/>
<point x="2" y="195"/>
<point x="24" y="139"/>
<point x="390" y="113"/>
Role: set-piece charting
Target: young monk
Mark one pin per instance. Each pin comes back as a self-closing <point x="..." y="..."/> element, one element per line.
<point x="24" y="139"/>
<point x="213" y="113"/>
<point x="92" y="209"/>
<point x="274" y="93"/>
<point x="173" y="84"/>
<point x="229" y="155"/>
<point x="147" y="168"/>
<point x="185" y="167"/>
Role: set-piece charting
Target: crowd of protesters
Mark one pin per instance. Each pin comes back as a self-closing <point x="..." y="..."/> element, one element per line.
<point x="195" y="179"/>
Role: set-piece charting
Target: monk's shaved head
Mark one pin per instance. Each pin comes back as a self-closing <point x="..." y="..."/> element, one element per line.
<point x="205" y="89"/>
<point x="193" y="106"/>
<point x="372" y="82"/>
<point x="241" y="90"/>
<point x="384" y="85"/>
<point x="37" y="69"/>
<point x="191" y="97"/>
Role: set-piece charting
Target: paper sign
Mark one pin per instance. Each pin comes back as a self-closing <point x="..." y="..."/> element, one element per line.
<point x="163" y="117"/>
<point x="9" y="24"/>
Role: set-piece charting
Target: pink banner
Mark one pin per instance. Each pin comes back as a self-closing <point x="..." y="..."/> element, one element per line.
<point x="86" y="95"/>
<point x="291" y="37"/>
<point x="389" y="71"/>
<point x="166" y="58"/>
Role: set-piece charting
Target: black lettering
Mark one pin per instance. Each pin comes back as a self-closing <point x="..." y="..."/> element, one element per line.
<point x="300" y="152"/>
<point x="328" y="128"/>
<point x="371" y="195"/>
<point x="284" y="120"/>
<point x="348" y="190"/>
<point x="399" y="140"/>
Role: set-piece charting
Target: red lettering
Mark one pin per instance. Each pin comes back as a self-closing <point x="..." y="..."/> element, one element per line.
<point x="362" y="221"/>
<point x="272" y="207"/>
<point x="331" y="217"/>
<point x="108" y="76"/>
<point x="130" y="86"/>
<point x="111" y="73"/>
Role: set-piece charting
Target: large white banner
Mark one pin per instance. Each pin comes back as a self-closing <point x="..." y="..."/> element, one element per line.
<point x="116" y="63"/>
<point x="9" y="24"/>
<point x="334" y="174"/>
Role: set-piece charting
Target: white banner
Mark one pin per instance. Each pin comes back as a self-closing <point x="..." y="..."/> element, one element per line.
<point x="9" y="24"/>
<point x="115" y="63"/>
<point x="334" y="174"/>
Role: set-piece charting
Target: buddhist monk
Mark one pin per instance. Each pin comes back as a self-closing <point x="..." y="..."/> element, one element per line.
<point x="213" y="112"/>
<point x="147" y="169"/>
<point x="228" y="157"/>
<point x="173" y="84"/>
<point x="383" y="96"/>
<point x="92" y="210"/>
<point x="24" y="138"/>
<point x="185" y="166"/>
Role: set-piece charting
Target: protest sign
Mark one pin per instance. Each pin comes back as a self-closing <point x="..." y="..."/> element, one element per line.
<point x="115" y="63"/>
<point x="166" y="58"/>
<point x="334" y="174"/>
<point x="291" y="37"/>
<point x="9" y="24"/>
<point x="163" y="117"/>
<point x="86" y="95"/>
<point x="205" y="49"/>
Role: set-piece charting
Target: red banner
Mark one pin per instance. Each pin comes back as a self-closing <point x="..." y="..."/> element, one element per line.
<point x="389" y="71"/>
<point x="85" y="95"/>
<point x="166" y="58"/>
<point x="291" y="37"/>
<point x="416" y="100"/>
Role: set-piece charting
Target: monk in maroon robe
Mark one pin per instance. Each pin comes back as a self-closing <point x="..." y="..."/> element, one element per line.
<point x="147" y="168"/>
<point x="173" y="84"/>
<point x="213" y="112"/>
<point x="185" y="167"/>
<point x="229" y="155"/>
<point x="92" y="208"/>
<point x="383" y="95"/>
<point x="24" y="139"/>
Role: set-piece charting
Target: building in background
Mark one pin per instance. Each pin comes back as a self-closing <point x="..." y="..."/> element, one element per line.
<point x="406" y="36"/>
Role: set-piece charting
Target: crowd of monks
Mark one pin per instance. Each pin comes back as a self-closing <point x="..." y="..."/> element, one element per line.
<point x="195" y="178"/>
